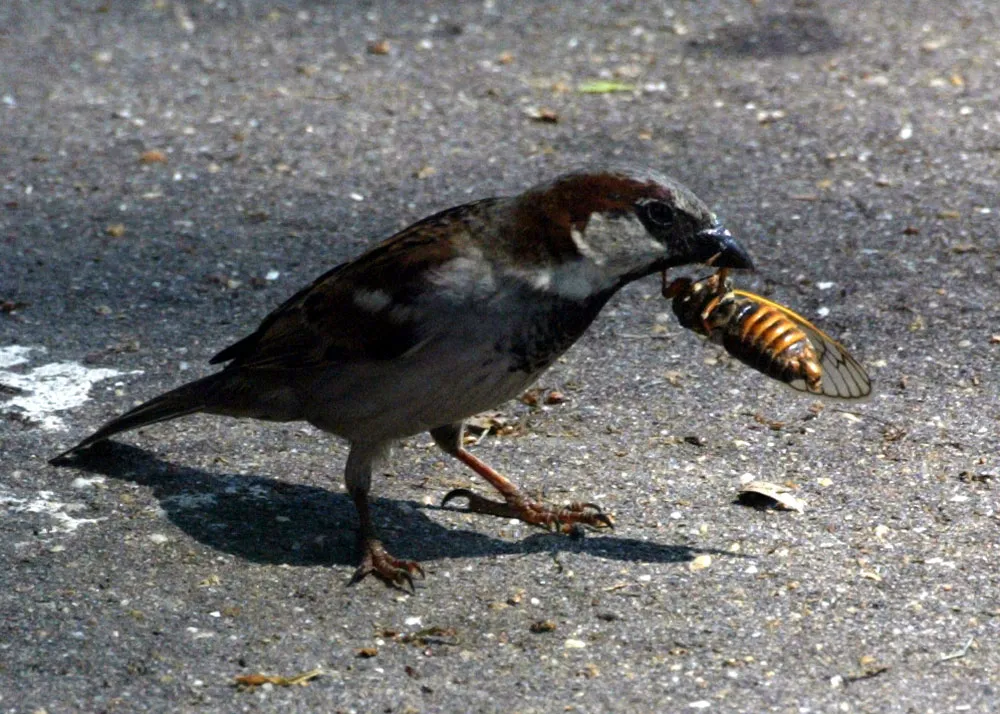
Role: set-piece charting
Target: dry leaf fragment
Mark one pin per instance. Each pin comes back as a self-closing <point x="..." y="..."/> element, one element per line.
<point x="769" y="423"/>
<point x="488" y="423"/>
<point x="555" y="397"/>
<point x="673" y="378"/>
<point x="379" y="47"/>
<point x="531" y="396"/>
<point x="434" y="635"/>
<point x="870" y="574"/>
<point x="253" y="680"/>
<point x="542" y="626"/>
<point x="303" y="677"/>
<point x="367" y="652"/>
<point x="543" y="115"/>
<point x="250" y="681"/>
<point x="153" y="156"/>
<point x="534" y="396"/>
<point x="764" y="494"/>
<point x="115" y="230"/>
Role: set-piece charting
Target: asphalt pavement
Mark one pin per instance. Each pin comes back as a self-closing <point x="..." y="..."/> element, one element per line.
<point x="170" y="171"/>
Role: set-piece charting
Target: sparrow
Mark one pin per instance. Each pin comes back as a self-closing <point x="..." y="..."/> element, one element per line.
<point x="449" y="317"/>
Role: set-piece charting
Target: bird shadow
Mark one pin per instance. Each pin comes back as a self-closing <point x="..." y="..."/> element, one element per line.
<point x="270" y="521"/>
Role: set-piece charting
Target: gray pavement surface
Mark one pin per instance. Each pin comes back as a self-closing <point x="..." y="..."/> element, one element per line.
<point x="170" y="171"/>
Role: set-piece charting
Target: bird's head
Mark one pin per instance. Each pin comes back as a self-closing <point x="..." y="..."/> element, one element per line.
<point x="628" y="223"/>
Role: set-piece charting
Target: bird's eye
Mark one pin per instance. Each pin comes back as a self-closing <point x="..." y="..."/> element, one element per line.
<point x="660" y="213"/>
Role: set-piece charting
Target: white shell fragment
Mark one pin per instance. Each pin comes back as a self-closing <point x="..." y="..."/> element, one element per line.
<point x="772" y="495"/>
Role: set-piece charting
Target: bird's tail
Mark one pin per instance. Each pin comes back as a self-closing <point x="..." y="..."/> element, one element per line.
<point x="189" y="398"/>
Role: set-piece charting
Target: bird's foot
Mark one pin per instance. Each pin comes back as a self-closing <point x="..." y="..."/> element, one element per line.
<point x="516" y="505"/>
<point x="392" y="571"/>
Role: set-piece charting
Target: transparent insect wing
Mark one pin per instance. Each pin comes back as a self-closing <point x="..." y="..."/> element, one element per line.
<point x="843" y="377"/>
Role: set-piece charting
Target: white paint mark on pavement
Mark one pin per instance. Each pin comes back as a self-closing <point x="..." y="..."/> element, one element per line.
<point x="45" y="503"/>
<point x="15" y="354"/>
<point x="35" y="395"/>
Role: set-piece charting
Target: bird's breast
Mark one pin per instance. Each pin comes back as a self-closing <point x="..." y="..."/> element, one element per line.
<point x="544" y="330"/>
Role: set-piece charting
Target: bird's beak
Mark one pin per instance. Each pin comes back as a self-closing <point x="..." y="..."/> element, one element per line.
<point x="716" y="246"/>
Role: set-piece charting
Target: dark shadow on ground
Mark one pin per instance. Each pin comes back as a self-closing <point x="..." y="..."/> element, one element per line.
<point x="270" y="521"/>
<point x="774" y="35"/>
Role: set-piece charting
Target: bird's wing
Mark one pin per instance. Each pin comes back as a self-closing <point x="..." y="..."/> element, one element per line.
<point x="358" y="310"/>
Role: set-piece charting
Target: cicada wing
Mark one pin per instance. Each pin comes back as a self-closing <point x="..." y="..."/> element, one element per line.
<point x="843" y="376"/>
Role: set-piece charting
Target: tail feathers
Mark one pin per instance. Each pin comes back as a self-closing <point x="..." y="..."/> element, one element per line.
<point x="186" y="399"/>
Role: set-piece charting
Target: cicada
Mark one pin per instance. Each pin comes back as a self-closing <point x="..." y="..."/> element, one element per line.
<point x="767" y="336"/>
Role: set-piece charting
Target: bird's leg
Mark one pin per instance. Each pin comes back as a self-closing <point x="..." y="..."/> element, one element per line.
<point x="515" y="504"/>
<point x="375" y="559"/>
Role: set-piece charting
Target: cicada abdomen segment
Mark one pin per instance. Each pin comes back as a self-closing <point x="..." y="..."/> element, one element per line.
<point x="767" y="340"/>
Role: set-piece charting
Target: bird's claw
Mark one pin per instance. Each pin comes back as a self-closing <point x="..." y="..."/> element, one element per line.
<point x="478" y="504"/>
<point x="377" y="561"/>
<point x="566" y="519"/>
<point x="593" y="512"/>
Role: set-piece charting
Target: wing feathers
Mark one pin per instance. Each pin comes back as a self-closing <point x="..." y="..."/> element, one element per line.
<point x="358" y="310"/>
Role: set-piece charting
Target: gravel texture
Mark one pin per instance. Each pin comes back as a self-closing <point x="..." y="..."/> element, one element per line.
<point x="170" y="171"/>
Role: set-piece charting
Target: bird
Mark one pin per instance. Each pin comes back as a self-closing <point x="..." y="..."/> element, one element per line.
<point x="451" y="316"/>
